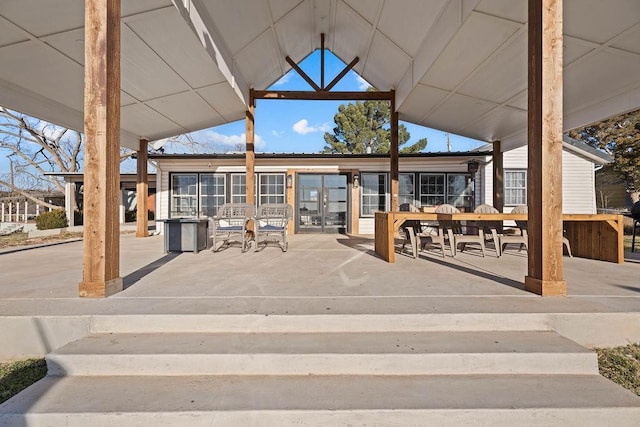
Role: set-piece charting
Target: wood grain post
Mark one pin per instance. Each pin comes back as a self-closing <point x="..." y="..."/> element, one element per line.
<point x="250" y="158"/>
<point x="142" y="191"/>
<point x="544" y="184"/>
<point x="101" y="257"/>
<point x="395" y="188"/>
<point x="498" y="176"/>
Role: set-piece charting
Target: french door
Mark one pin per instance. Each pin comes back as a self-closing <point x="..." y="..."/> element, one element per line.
<point x="322" y="203"/>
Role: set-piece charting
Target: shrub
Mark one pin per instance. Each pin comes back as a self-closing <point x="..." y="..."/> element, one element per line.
<point x="52" y="219"/>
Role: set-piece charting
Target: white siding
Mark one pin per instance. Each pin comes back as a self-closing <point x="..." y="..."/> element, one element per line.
<point x="367" y="226"/>
<point x="578" y="179"/>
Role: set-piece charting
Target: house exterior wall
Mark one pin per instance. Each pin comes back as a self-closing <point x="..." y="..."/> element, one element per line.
<point x="578" y="182"/>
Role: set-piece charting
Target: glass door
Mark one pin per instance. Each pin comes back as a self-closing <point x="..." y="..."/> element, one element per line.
<point x="322" y="203"/>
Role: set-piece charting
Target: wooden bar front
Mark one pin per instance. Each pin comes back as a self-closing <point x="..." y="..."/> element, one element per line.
<point x="599" y="237"/>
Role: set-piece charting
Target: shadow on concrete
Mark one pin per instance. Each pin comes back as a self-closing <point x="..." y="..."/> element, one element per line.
<point x="130" y="279"/>
<point x="477" y="271"/>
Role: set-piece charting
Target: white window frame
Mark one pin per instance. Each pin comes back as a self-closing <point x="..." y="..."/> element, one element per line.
<point x="443" y="195"/>
<point x="177" y="199"/>
<point x="368" y="209"/>
<point x="280" y="196"/>
<point x="509" y="199"/>
<point x="407" y="197"/>
<point x="238" y="197"/>
<point x="217" y="197"/>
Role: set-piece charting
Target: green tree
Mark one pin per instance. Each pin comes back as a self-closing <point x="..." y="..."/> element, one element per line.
<point x="620" y="137"/>
<point x="361" y="125"/>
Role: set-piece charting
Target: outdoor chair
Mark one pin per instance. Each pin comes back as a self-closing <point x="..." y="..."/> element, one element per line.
<point x="520" y="236"/>
<point x="409" y="229"/>
<point x="490" y="228"/>
<point x="271" y="222"/>
<point x="523" y="237"/>
<point x="231" y="222"/>
<point x="455" y="232"/>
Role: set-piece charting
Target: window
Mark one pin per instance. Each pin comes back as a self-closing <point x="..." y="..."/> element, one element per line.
<point x="406" y="189"/>
<point x="272" y="188"/>
<point x="184" y="195"/>
<point x="201" y="194"/>
<point x="374" y="193"/>
<point x="515" y="187"/>
<point x="432" y="189"/>
<point x="212" y="193"/>
<point x="238" y="188"/>
<point x="459" y="191"/>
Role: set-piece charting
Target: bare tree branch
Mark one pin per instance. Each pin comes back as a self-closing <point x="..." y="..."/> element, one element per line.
<point x="28" y="196"/>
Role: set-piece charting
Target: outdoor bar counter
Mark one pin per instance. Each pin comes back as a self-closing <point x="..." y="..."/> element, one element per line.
<point x="599" y="237"/>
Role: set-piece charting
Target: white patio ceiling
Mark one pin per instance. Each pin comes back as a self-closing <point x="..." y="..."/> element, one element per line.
<point x="457" y="65"/>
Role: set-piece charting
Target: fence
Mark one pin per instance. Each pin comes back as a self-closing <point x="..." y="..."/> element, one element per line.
<point x="20" y="211"/>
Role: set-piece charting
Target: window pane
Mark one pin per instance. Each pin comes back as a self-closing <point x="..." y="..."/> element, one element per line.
<point x="184" y="199"/>
<point x="212" y="193"/>
<point x="238" y="188"/>
<point x="374" y="193"/>
<point x="459" y="191"/>
<point x="432" y="189"/>
<point x="406" y="189"/>
<point x="515" y="187"/>
<point x="272" y="188"/>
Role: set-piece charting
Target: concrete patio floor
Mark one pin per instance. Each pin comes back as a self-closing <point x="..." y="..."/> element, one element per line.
<point x="323" y="275"/>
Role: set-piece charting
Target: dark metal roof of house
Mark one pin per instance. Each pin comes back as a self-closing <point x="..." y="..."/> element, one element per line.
<point x="317" y="155"/>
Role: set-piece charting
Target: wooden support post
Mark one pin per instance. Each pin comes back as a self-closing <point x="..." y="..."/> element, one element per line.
<point x="250" y="154"/>
<point x="395" y="188"/>
<point x="142" y="191"/>
<point x="322" y="61"/>
<point x="544" y="185"/>
<point x="498" y="177"/>
<point x="101" y="260"/>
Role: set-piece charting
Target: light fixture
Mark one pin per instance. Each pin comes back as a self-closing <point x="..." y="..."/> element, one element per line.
<point x="356" y="181"/>
<point x="472" y="166"/>
<point x="289" y="181"/>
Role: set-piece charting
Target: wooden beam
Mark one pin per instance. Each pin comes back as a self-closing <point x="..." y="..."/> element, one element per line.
<point x="342" y="74"/>
<point x="395" y="187"/>
<point x="498" y="176"/>
<point x="250" y="183"/>
<point x="101" y="256"/>
<point x="142" y="191"/>
<point x="322" y="60"/>
<point x="322" y="95"/>
<point x="544" y="185"/>
<point x="302" y="74"/>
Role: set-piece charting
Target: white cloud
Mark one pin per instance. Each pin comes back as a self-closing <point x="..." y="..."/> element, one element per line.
<point x="235" y="141"/>
<point x="362" y="83"/>
<point x="302" y="127"/>
<point x="326" y="127"/>
<point x="277" y="133"/>
<point x="283" y="80"/>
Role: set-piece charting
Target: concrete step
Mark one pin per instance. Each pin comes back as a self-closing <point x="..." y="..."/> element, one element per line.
<point x="345" y="353"/>
<point x="458" y="400"/>
<point x="326" y="321"/>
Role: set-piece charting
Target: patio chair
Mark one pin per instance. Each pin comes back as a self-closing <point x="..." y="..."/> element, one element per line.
<point x="490" y="228"/>
<point x="454" y="230"/>
<point x="409" y="229"/>
<point x="523" y="238"/>
<point x="271" y="221"/>
<point x="231" y="222"/>
<point x="520" y="236"/>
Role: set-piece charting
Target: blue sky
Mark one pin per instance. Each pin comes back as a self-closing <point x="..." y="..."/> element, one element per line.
<point x="298" y="126"/>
